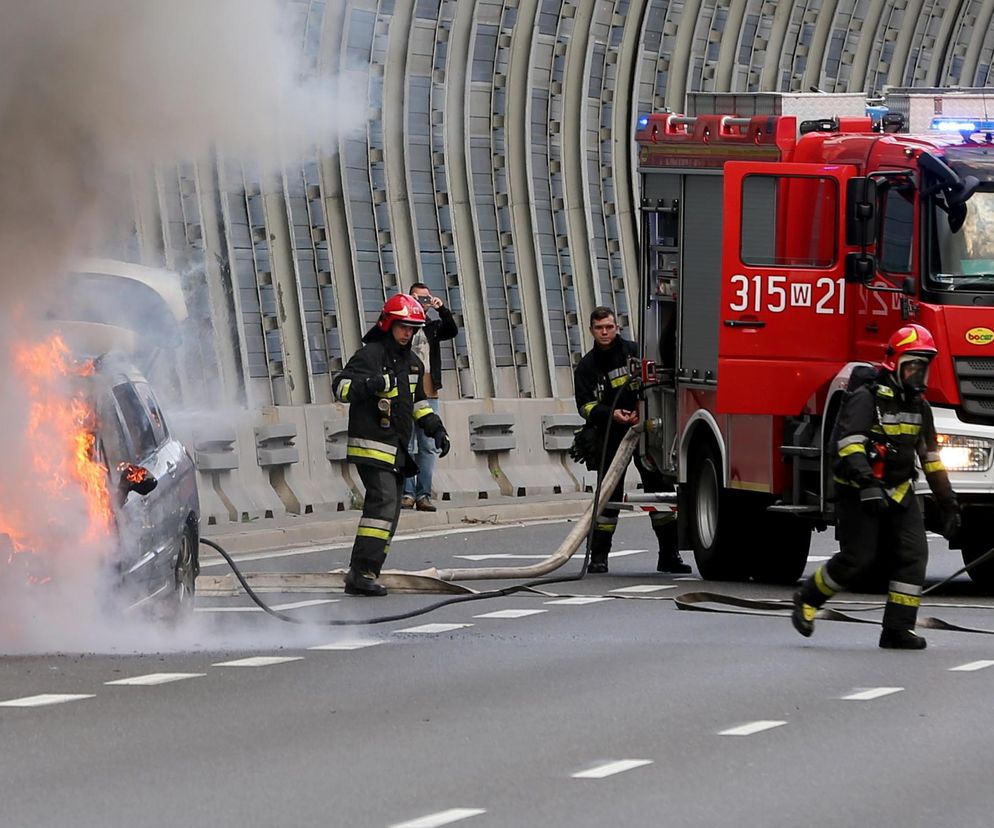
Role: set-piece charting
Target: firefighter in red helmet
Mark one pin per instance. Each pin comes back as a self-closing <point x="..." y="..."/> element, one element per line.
<point x="384" y="385"/>
<point x="883" y="427"/>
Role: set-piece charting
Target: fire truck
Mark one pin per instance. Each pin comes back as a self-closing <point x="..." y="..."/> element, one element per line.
<point x="778" y="253"/>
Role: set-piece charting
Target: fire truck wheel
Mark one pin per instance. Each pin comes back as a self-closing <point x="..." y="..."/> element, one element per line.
<point x="715" y="520"/>
<point x="780" y="555"/>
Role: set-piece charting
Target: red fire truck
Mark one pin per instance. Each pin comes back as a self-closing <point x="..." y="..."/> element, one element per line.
<point x="777" y="255"/>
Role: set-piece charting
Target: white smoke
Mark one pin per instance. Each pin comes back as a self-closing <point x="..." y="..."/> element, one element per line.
<point x="92" y="91"/>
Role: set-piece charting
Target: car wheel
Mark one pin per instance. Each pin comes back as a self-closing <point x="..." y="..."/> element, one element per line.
<point x="180" y="602"/>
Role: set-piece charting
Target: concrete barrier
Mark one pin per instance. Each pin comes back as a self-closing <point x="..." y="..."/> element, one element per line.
<point x="464" y="476"/>
<point x="223" y="496"/>
<point x="529" y="466"/>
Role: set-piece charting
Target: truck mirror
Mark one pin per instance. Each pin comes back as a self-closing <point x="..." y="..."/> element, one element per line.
<point x="908" y="286"/>
<point x="860" y="268"/>
<point x="861" y="212"/>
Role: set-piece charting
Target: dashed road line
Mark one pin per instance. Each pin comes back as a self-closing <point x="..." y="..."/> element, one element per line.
<point x="278" y="607"/>
<point x="871" y="693"/>
<point x="611" y="768"/>
<point x="440" y="818"/>
<point x="45" y="699"/>
<point x="498" y="557"/>
<point x="751" y="727"/>
<point x="345" y="645"/>
<point x="511" y="613"/>
<point x="970" y="666"/>
<point x="430" y="629"/>
<point x="577" y="600"/>
<point x="151" y="679"/>
<point x="258" y="661"/>
<point x="624" y="553"/>
<point x="642" y="588"/>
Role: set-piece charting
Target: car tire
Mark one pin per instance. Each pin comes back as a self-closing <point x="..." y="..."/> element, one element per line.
<point x="179" y="604"/>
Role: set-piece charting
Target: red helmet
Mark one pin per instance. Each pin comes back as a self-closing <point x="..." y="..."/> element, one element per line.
<point x="401" y="308"/>
<point x="909" y="341"/>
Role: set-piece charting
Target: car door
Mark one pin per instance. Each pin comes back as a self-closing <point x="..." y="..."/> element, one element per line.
<point x="160" y="538"/>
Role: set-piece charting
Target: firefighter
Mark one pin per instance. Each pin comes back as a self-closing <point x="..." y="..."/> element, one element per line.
<point x="596" y="380"/>
<point x="384" y="386"/>
<point x="883" y="426"/>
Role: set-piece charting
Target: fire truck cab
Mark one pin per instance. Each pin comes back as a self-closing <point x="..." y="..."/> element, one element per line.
<point x="777" y="254"/>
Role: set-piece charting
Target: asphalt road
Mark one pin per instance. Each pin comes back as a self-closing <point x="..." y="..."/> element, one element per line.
<point x="524" y="710"/>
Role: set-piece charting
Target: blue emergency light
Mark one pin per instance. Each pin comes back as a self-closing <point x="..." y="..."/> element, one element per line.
<point x="961" y="125"/>
<point x="643" y="122"/>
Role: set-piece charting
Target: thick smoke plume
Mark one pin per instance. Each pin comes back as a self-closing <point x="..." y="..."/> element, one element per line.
<point x="93" y="90"/>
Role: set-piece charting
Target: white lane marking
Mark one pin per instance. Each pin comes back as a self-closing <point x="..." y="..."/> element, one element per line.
<point x="441" y="818"/>
<point x="581" y="599"/>
<point x="750" y="728"/>
<point x="496" y="557"/>
<point x="345" y="645"/>
<point x="688" y="578"/>
<point x="511" y="613"/>
<point x="154" y="678"/>
<point x="45" y="698"/>
<point x="639" y="588"/>
<point x="329" y="547"/>
<point x="611" y="768"/>
<point x="872" y="693"/>
<point x="433" y="628"/>
<point x="258" y="661"/>
<point x="621" y="553"/>
<point x="969" y="667"/>
<point x="818" y="558"/>
<point x="279" y="607"/>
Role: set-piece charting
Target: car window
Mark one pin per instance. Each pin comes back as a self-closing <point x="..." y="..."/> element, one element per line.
<point x="154" y="412"/>
<point x="136" y="420"/>
<point x="113" y="442"/>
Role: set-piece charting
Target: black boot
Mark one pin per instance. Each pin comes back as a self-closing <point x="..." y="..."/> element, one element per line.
<point x="891" y="639"/>
<point x="803" y="615"/>
<point x="598" y="563"/>
<point x="363" y="583"/>
<point x="670" y="561"/>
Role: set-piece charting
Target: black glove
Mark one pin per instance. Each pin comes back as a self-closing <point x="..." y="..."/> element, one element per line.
<point x="873" y="499"/>
<point x="378" y="383"/>
<point x="951" y="520"/>
<point x="441" y="439"/>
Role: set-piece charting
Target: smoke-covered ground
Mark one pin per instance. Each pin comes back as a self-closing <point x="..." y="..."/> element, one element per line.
<point x="90" y="91"/>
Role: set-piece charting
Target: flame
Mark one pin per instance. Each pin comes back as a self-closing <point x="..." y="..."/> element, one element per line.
<point x="60" y="437"/>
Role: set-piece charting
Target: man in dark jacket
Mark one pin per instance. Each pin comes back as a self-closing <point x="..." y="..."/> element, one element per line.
<point x="384" y="386"/>
<point x="596" y="381"/>
<point x="439" y="327"/>
<point x="883" y="427"/>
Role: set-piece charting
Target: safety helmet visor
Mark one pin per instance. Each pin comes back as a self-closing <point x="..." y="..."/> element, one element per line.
<point x="912" y="370"/>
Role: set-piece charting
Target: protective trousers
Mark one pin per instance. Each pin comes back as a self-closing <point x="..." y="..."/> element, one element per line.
<point x="663" y="526"/>
<point x="897" y="533"/>
<point x="380" y="513"/>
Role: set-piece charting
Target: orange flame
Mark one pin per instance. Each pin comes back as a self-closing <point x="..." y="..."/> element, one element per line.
<point x="60" y="438"/>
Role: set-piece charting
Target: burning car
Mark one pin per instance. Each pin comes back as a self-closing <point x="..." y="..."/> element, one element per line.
<point x="119" y="488"/>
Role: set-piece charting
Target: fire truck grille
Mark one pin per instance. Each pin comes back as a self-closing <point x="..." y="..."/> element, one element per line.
<point x="976" y="387"/>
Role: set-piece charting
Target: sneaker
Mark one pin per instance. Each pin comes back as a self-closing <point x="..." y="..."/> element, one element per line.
<point x="363" y="583"/>
<point x="407" y="502"/>
<point x="803" y="616"/>
<point x="901" y="640"/>
<point x="424" y="504"/>
<point x="672" y="562"/>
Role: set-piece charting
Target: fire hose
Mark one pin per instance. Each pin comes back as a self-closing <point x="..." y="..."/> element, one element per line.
<point x="606" y="483"/>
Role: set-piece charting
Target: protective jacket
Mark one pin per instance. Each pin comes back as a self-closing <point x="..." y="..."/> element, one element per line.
<point x="881" y="430"/>
<point x="380" y="438"/>
<point x="597" y="378"/>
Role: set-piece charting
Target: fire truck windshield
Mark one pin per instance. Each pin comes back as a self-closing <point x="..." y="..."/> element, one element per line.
<point x="964" y="260"/>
